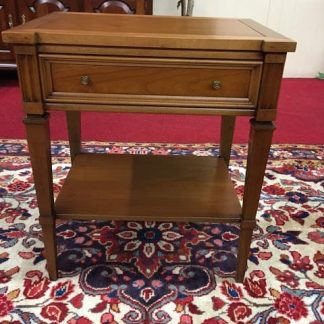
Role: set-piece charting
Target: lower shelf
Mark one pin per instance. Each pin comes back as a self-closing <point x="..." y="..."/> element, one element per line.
<point x="142" y="187"/>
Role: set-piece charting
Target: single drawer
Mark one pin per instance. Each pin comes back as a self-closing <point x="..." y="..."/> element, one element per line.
<point x="153" y="82"/>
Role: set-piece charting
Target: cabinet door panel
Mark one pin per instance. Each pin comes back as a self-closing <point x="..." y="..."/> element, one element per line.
<point x="30" y="9"/>
<point x="139" y="7"/>
<point x="111" y="6"/>
<point x="144" y="7"/>
<point x="4" y="22"/>
<point x="7" y="20"/>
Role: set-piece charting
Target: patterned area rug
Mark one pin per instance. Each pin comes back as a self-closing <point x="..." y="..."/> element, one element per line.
<point x="150" y="272"/>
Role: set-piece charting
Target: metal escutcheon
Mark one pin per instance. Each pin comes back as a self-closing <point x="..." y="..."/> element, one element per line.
<point x="216" y="84"/>
<point x="84" y="80"/>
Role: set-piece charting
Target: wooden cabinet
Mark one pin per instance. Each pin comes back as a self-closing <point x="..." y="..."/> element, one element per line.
<point x="31" y="9"/>
<point x="8" y="19"/>
<point x="15" y="12"/>
<point x="126" y="6"/>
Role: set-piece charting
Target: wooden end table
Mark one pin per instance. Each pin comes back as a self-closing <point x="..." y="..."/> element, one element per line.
<point x="204" y="66"/>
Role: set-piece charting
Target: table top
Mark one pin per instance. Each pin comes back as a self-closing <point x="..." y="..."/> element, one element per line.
<point x="90" y="29"/>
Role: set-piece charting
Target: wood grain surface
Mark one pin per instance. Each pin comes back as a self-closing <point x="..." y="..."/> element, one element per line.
<point x="126" y="187"/>
<point x="147" y="31"/>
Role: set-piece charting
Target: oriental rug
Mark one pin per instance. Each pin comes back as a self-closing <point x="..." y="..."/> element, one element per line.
<point x="164" y="272"/>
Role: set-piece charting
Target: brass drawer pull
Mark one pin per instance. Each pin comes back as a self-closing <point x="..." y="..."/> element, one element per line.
<point x="10" y="21"/>
<point x="23" y="19"/>
<point x="84" y="80"/>
<point x="216" y="84"/>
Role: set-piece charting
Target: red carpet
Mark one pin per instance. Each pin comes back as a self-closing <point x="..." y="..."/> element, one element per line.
<point x="300" y="120"/>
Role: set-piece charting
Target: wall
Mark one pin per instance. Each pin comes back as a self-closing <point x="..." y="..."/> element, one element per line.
<point x="301" y="20"/>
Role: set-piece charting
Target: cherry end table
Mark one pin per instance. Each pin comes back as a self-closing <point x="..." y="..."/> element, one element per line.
<point x="77" y="62"/>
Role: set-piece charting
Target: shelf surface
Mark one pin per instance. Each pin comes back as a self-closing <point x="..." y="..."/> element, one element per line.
<point x="142" y="187"/>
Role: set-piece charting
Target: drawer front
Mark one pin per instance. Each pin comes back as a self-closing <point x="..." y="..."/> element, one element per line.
<point x="161" y="82"/>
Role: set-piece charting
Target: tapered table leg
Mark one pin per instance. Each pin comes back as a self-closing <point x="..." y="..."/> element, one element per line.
<point x="73" y="119"/>
<point x="258" y="151"/>
<point x="226" y="140"/>
<point x="37" y="128"/>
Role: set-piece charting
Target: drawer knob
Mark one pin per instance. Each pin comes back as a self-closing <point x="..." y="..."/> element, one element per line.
<point x="216" y="84"/>
<point x="84" y="80"/>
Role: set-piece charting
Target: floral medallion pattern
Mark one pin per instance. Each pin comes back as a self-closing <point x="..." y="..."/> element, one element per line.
<point x="165" y="272"/>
